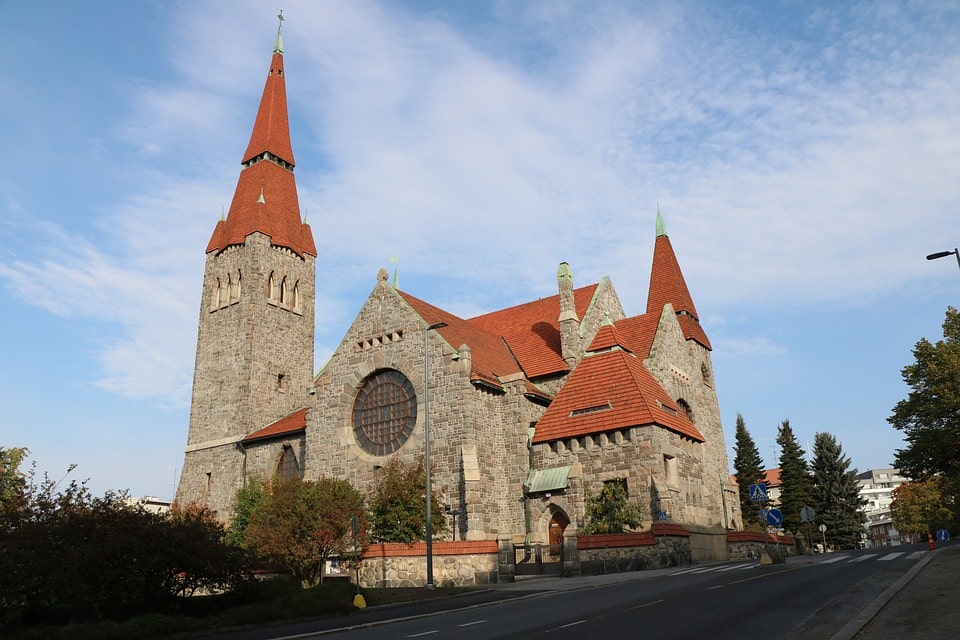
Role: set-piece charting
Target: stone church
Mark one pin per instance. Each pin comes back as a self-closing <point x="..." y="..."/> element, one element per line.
<point x="528" y="408"/>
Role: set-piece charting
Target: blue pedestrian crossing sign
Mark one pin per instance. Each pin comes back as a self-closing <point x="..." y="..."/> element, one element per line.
<point x="758" y="491"/>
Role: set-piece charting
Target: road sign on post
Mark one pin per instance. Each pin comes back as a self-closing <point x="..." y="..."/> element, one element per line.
<point x="758" y="492"/>
<point x="943" y="535"/>
<point x="773" y="517"/>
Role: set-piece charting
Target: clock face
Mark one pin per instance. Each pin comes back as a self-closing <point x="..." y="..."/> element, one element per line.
<point x="384" y="412"/>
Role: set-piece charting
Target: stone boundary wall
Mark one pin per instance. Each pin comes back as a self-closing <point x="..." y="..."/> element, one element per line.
<point x="455" y="564"/>
<point x="664" y="545"/>
<point x="749" y="545"/>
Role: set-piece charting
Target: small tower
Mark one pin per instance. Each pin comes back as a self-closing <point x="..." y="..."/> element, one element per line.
<point x="254" y="360"/>
<point x="686" y="371"/>
<point x="570" y="344"/>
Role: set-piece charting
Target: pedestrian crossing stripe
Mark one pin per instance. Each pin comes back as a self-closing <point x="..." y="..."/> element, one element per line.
<point x="891" y="556"/>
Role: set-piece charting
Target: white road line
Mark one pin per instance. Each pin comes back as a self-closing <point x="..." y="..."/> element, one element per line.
<point x="718" y="586"/>
<point x="470" y="624"/>
<point x="685" y="571"/>
<point x="866" y="556"/>
<point x="737" y="567"/>
<point x="835" y="559"/>
<point x="572" y="624"/>
<point x="891" y="556"/>
<point x="425" y="633"/>
<point x="916" y="555"/>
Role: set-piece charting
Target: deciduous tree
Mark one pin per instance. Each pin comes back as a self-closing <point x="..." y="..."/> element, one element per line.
<point x="299" y="525"/>
<point x="611" y="511"/>
<point x="919" y="507"/>
<point x="930" y="415"/>
<point x="398" y="507"/>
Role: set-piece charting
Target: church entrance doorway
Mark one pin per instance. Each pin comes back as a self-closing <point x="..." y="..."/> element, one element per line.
<point x="558" y="523"/>
<point x="540" y="559"/>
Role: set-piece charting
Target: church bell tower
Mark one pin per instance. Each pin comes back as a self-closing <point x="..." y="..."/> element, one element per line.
<point x="254" y="362"/>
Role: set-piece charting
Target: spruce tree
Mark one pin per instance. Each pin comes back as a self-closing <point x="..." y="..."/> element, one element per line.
<point x="796" y="485"/>
<point x="836" y="493"/>
<point x="749" y="469"/>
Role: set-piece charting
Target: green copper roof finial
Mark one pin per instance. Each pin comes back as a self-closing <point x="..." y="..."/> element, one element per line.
<point x="278" y="48"/>
<point x="661" y="225"/>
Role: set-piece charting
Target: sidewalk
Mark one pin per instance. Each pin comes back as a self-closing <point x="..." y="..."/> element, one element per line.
<point x="922" y="604"/>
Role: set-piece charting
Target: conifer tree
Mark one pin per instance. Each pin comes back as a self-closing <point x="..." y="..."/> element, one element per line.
<point x="748" y="466"/>
<point x="836" y="493"/>
<point x="796" y="486"/>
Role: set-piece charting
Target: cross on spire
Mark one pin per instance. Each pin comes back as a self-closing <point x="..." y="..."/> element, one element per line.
<point x="278" y="48"/>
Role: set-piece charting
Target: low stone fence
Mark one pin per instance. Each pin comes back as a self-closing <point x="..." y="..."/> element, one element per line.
<point x="459" y="564"/>
<point x="748" y="545"/>
<point x="664" y="545"/>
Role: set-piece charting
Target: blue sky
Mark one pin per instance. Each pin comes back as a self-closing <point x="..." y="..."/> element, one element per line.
<point x="805" y="157"/>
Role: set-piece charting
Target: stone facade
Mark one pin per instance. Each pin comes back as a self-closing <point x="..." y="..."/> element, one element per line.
<point x="487" y="385"/>
<point x="254" y="360"/>
<point x="455" y="564"/>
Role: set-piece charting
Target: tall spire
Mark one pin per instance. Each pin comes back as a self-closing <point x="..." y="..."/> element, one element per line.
<point x="667" y="285"/>
<point x="266" y="196"/>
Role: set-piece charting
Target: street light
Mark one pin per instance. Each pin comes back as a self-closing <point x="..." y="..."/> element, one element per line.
<point x="944" y="254"/>
<point x="426" y="446"/>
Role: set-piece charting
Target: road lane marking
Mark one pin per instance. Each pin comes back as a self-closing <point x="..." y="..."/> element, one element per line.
<point x="718" y="586"/>
<point x="425" y="633"/>
<point x="762" y="575"/>
<point x="737" y="567"/>
<point x="685" y="571"/>
<point x="891" y="556"/>
<point x="862" y="558"/>
<point x="468" y="624"/>
<point x="916" y="555"/>
<point x="572" y="624"/>
<point x="646" y="604"/>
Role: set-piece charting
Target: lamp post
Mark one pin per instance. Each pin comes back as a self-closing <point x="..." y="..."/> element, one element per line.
<point x="426" y="446"/>
<point x="944" y="254"/>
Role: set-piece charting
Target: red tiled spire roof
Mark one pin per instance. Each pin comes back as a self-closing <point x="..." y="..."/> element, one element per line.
<point x="266" y="195"/>
<point x="668" y="286"/>
<point x="607" y="391"/>
<point x="286" y="426"/>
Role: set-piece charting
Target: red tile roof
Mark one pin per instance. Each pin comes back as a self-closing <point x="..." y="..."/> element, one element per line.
<point x="266" y="196"/>
<point x="668" y="286"/>
<point x="290" y="425"/>
<point x="771" y="477"/>
<point x="619" y="380"/>
<point x="533" y="331"/>
<point x="490" y="355"/>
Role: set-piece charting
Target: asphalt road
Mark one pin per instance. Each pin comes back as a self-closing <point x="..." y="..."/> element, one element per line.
<point x="811" y="597"/>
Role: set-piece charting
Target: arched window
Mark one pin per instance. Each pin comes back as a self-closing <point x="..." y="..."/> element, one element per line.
<point x="284" y="292"/>
<point x="272" y="288"/>
<point x="235" y="289"/>
<point x="216" y="295"/>
<point x="296" y="295"/>
<point x="288" y="467"/>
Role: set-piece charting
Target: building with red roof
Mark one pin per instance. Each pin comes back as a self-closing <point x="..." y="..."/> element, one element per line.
<point x="531" y="408"/>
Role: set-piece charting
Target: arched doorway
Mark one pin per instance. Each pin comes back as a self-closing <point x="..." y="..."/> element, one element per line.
<point x="558" y="523"/>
